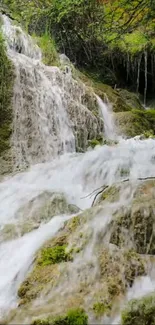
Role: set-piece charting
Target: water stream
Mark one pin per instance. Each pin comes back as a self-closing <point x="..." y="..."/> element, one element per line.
<point x="109" y="126"/>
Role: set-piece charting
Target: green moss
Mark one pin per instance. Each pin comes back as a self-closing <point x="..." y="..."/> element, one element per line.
<point x="134" y="266"/>
<point x="131" y="99"/>
<point x="149" y="134"/>
<point x="121" y="99"/>
<point x="118" y="271"/>
<point x="101" y="308"/>
<point x="77" y="317"/>
<point x="73" y="223"/>
<point x="93" y="143"/>
<point x="111" y="194"/>
<point x="53" y="255"/>
<point x="133" y="123"/>
<point x="45" y="272"/>
<point x="140" y="311"/>
<point x="73" y="317"/>
<point x="120" y="226"/>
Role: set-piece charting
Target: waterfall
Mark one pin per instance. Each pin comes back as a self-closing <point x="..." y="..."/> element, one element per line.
<point x="40" y="103"/>
<point x="48" y="109"/>
<point x="109" y="126"/>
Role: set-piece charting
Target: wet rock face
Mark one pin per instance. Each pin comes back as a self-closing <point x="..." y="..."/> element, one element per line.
<point x="134" y="226"/>
<point x="130" y="99"/>
<point x="131" y="123"/>
<point x="87" y="124"/>
<point x="6" y="93"/>
<point x="38" y="211"/>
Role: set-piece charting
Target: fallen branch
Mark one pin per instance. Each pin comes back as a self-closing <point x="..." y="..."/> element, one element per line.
<point x="104" y="187"/>
<point x="92" y="193"/>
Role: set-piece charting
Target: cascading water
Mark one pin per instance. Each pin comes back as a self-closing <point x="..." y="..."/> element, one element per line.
<point x="41" y="97"/>
<point x="109" y="126"/>
<point x="47" y="104"/>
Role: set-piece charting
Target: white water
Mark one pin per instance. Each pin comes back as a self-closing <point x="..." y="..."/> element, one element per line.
<point x="109" y="126"/>
<point x="76" y="175"/>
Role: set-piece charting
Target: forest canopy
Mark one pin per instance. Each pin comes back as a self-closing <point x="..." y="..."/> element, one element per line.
<point x="97" y="35"/>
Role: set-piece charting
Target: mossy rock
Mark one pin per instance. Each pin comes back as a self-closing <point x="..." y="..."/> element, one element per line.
<point x="128" y="262"/>
<point x="87" y="124"/>
<point x="130" y="99"/>
<point x="9" y="231"/>
<point x="134" y="226"/>
<point x="73" y="317"/>
<point x="46" y="269"/>
<point x="101" y="308"/>
<point x="140" y="311"/>
<point x="89" y="99"/>
<point x="121" y="99"/>
<point x="113" y="96"/>
<point x="48" y="260"/>
<point x="132" y="123"/>
<point x="111" y="194"/>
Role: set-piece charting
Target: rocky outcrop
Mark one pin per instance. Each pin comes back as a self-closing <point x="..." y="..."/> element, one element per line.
<point x="134" y="226"/>
<point x="38" y="211"/>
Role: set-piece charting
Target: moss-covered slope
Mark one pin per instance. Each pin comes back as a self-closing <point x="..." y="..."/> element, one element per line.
<point x="6" y="93"/>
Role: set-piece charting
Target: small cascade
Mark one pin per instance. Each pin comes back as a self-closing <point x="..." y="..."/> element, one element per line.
<point x="74" y="175"/>
<point x="106" y="111"/>
<point x="18" y="41"/>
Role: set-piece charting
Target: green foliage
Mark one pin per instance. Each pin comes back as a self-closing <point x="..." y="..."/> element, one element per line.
<point x="53" y="255"/>
<point x="94" y="142"/>
<point x="103" y="37"/>
<point x="140" y="311"/>
<point x="77" y="317"/>
<point x="134" y="42"/>
<point x="73" y="317"/>
<point x="49" y="51"/>
<point x="149" y="134"/>
<point x="101" y="308"/>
